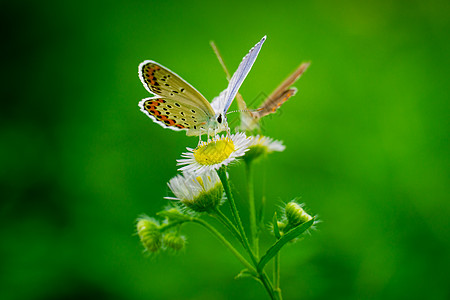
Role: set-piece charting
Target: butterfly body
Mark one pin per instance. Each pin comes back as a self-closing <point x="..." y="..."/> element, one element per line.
<point x="179" y="106"/>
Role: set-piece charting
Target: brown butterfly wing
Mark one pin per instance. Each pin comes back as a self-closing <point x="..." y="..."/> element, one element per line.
<point x="271" y="105"/>
<point x="281" y="94"/>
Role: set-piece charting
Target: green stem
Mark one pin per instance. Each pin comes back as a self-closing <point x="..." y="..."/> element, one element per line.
<point x="268" y="286"/>
<point x="226" y="243"/>
<point x="170" y="225"/>
<point x="227" y="223"/>
<point x="252" y="209"/>
<point x="222" y="172"/>
<point x="276" y="275"/>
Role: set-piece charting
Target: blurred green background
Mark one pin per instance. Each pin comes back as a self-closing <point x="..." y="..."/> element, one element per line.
<point x="366" y="136"/>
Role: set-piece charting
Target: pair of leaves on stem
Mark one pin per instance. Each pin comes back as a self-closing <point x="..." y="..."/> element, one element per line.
<point x="282" y="240"/>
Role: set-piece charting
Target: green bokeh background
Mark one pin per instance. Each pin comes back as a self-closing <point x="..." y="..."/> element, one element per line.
<point x="366" y="136"/>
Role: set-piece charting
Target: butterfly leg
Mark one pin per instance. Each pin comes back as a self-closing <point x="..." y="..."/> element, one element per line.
<point x="228" y="132"/>
<point x="209" y="135"/>
<point x="199" y="139"/>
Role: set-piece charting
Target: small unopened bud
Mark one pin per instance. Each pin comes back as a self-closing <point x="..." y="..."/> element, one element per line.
<point x="295" y="214"/>
<point x="148" y="231"/>
<point x="173" y="241"/>
<point x="281" y="226"/>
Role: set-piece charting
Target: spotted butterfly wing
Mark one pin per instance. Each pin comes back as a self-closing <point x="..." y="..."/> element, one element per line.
<point x="170" y="114"/>
<point x="178" y="105"/>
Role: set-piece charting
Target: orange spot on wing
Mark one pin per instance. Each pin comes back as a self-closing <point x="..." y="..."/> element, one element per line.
<point x="154" y="112"/>
<point x="170" y="122"/>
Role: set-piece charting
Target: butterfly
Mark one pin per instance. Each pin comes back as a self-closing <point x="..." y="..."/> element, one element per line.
<point x="280" y="94"/>
<point x="179" y="106"/>
<point x="250" y="118"/>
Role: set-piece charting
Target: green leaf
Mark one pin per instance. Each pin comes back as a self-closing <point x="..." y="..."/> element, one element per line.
<point x="275" y="248"/>
<point x="276" y="230"/>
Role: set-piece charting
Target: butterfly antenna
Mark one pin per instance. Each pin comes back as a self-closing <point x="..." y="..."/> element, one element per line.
<point x="245" y="110"/>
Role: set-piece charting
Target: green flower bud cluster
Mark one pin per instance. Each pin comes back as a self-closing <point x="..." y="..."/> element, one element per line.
<point x="149" y="233"/>
<point x="153" y="239"/>
<point x="174" y="241"/>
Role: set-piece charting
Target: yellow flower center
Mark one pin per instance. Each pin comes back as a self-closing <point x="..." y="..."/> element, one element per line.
<point x="214" y="152"/>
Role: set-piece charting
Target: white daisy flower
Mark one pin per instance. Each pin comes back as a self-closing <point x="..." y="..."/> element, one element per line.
<point x="198" y="192"/>
<point x="260" y="145"/>
<point x="215" y="153"/>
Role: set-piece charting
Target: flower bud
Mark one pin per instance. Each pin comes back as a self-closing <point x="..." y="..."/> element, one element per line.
<point x="173" y="241"/>
<point x="148" y="231"/>
<point x="281" y="226"/>
<point x="295" y="214"/>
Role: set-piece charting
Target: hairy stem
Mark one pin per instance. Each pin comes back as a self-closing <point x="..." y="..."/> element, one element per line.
<point x="252" y="209"/>
<point x="222" y="172"/>
<point x="227" y="223"/>
<point x="276" y="275"/>
<point x="226" y="243"/>
<point x="164" y="227"/>
<point x="268" y="286"/>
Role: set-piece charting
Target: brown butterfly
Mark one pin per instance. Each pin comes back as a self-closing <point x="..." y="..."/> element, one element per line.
<point x="250" y="118"/>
